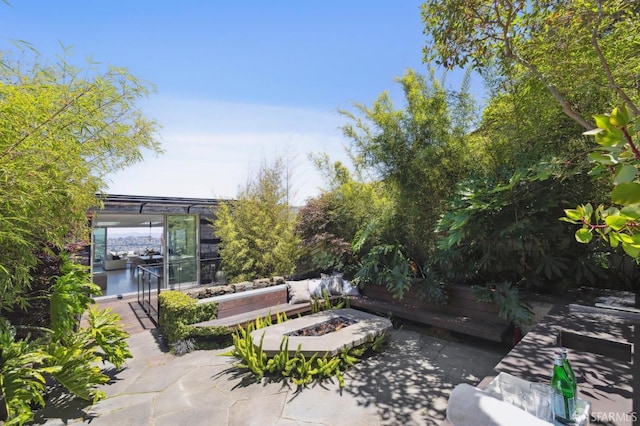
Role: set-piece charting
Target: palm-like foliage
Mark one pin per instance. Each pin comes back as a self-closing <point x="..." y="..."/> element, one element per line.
<point x="507" y="298"/>
<point x="105" y="331"/>
<point x="70" y="296"/>
<point x="77" y="369"/>
<point x="66" y="353"/>
<point x="22" y="376"/>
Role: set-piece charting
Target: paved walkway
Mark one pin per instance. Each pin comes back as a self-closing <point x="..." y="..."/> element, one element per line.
<point x="407" y="384"/>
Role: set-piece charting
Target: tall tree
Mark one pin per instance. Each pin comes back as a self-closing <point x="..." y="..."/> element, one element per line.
<point x="573" y="47"/>
<point x="257" y="229"/>
<point x="417" y="151"/>
<point x="585" y="54"/>
<point x="501" y="224"/>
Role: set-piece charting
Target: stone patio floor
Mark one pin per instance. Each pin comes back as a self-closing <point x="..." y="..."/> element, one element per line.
<point x="407" y="384"/>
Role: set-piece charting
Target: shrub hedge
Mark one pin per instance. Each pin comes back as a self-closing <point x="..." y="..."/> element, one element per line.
<point x="178" y="311"/>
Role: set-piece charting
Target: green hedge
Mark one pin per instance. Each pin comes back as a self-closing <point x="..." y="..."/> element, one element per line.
<point x="178" y="311"/>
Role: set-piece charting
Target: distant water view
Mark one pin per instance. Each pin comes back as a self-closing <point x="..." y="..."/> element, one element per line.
<point x="136" y="243"/>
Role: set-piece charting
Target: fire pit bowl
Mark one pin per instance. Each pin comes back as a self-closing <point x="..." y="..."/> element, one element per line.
<point x="364" y="326"/>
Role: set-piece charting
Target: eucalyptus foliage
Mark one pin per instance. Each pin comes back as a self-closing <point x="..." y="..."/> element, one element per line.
<point x="572" y="47"/>
<point x="520" y="127"/>
<point x="537" y="57"/>
<point x="618" y="154"/>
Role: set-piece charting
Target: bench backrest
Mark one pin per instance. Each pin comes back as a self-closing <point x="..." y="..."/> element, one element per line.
<point x="461" y="302"/>
<point x="250" y="300"/>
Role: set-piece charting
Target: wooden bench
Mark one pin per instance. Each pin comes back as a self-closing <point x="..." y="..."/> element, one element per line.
<point x="239" y="309"/>
<point x="462" y="314"/>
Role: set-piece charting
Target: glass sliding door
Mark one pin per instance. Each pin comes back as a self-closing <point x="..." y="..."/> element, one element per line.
<point x="99" y="247"/>
<point x="181" y="250"/>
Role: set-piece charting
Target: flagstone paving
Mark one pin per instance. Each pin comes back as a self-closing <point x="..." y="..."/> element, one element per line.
<point x="407" y="384"/>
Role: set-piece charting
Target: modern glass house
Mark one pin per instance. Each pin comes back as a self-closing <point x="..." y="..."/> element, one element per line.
<point x="152" y="243"/>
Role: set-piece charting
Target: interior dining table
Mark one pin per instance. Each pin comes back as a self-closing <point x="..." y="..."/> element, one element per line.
<point x="152" y="259"/>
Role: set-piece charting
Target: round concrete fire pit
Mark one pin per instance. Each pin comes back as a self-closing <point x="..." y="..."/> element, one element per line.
<point x="365" y="327"/>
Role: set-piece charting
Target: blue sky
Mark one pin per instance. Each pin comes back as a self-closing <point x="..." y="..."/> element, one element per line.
<point x="238" y="82"/>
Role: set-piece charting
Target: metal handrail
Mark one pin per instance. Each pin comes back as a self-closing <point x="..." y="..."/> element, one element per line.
<point x="148" y="275"/>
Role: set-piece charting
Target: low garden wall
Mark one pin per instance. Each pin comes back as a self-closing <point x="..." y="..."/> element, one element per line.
<point x="182" y="314"/>
<point x="219" y="290"/>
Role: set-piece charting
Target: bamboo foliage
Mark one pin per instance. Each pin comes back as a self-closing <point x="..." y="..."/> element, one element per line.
<point x="62" y="130"/>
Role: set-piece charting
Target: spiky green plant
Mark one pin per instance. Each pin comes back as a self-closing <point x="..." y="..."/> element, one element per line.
<point x="325" y="303"/>
<point x="296" y="367"/>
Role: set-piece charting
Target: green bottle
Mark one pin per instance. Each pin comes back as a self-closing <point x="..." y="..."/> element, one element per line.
<point x="563" y="393"/>
<point x="570" y="373"/>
